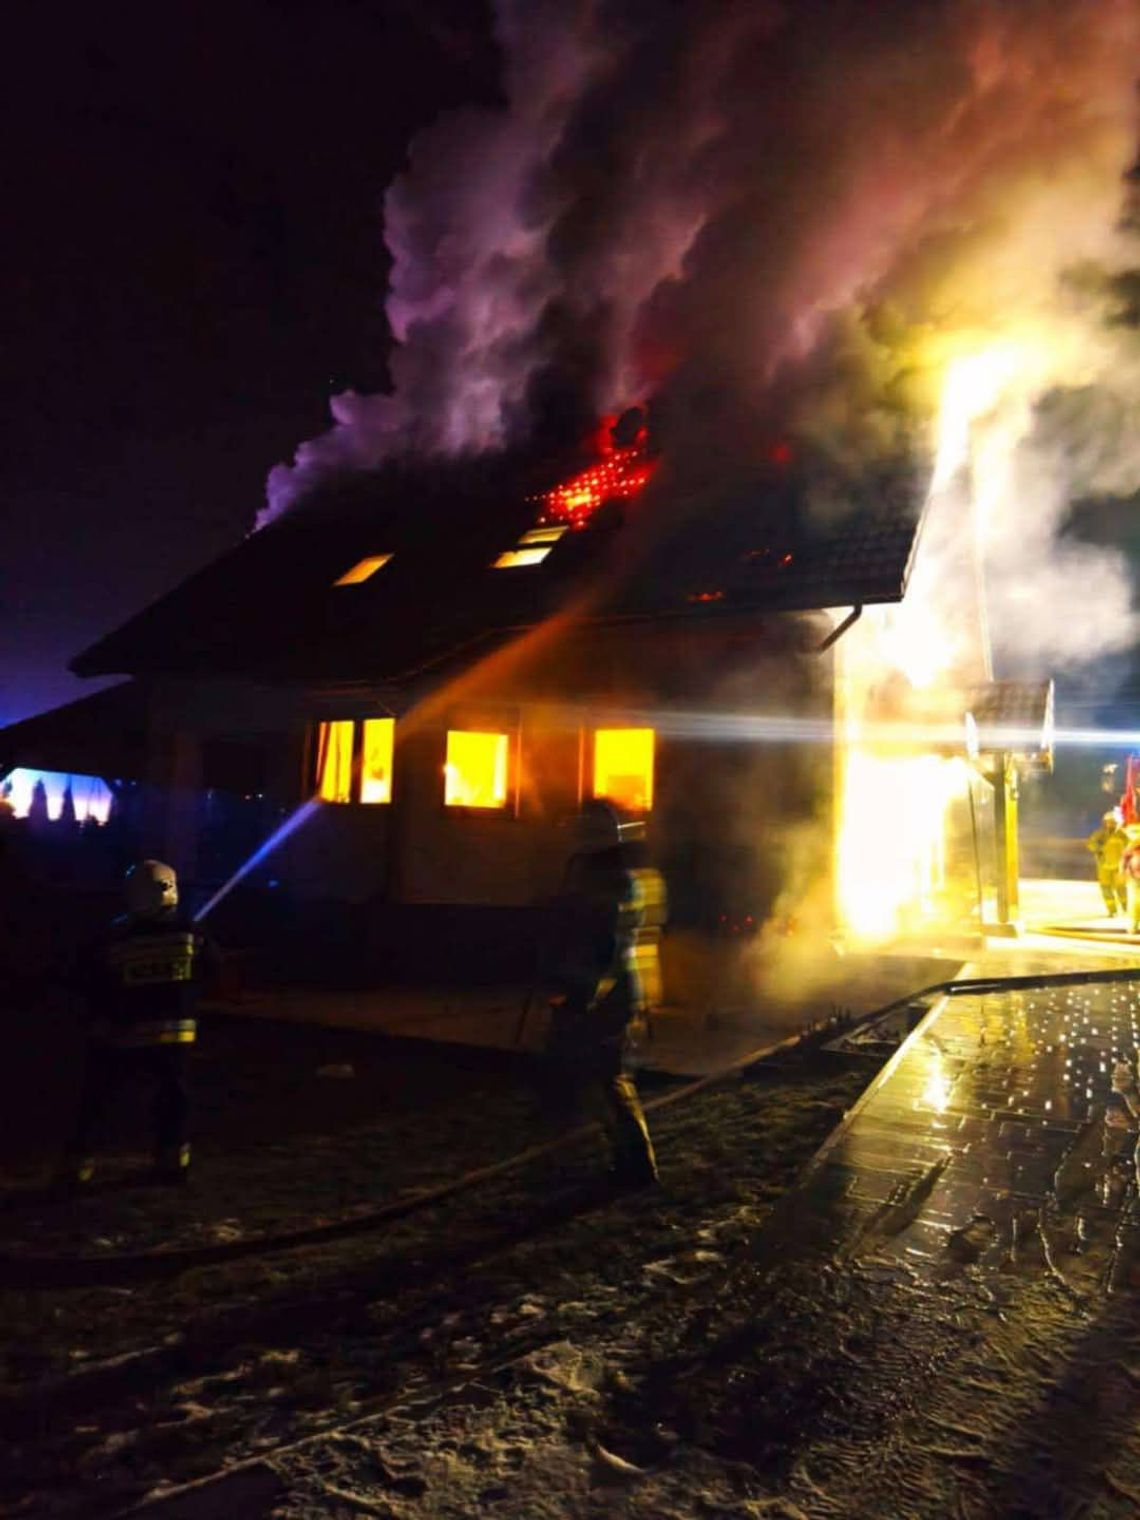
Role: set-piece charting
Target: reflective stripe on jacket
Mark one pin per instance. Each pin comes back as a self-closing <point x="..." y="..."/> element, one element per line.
<point x="141" y="981"/>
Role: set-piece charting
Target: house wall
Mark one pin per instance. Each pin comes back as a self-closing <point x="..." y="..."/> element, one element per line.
<point x="733" y="823"/>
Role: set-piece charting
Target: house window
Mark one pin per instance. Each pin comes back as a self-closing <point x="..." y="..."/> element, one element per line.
<point x="376" y="759"/>
<point x="363" y="569"/>
<point x="334" y="761"/>
<point x="623" y="767"/>
<point x="354" y="760"/>
<point x="475" y="774"/>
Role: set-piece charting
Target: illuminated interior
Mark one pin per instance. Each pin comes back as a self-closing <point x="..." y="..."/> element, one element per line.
<point x="376" y="760"/>
<point x="476" y="769"/>
<point x="891" y="857"/>
<point x="623" y="767"/>
<point x="334" y="761"/>
<point x="363" y="570"/>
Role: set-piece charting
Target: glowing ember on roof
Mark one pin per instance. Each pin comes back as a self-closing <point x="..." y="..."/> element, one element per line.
<point x="620" y="473"/>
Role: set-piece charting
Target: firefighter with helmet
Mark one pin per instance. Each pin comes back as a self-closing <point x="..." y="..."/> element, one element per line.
<point x="605" y="979"/>
<point x="139" y="984"/>
<point x="1107" y="844"/>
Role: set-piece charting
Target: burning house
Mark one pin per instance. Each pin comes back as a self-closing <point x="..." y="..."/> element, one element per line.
<point x="447" y="663"/>
<point x="389" y="705"/>
<point x="765" y="631"/>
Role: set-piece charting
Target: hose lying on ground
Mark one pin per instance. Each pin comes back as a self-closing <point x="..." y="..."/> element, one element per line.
<point x="18" y="1271"/>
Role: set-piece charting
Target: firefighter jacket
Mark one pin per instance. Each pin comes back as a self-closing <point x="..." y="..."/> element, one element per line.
<point x="1108" y="846"/>
<point x="610" y="921"/>
<point x="141" y="981"/>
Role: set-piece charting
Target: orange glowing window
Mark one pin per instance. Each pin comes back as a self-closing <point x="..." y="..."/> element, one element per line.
<point x="334" y="761"/>
<point x="475" y="774"/>
<point x="363" y="570"/>
<point x="623" y="767"/>
<point x="376" y="760"/>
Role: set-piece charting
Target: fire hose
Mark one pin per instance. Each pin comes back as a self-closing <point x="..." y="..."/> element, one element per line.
<point x="24" y="1271"/>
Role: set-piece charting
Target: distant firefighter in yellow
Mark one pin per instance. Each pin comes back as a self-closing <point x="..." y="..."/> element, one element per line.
<point x="1108" y="844"/>
<point x="605" y="978"/>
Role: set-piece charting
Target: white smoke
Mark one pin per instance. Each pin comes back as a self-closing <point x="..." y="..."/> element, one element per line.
<point x="808" y="217"/>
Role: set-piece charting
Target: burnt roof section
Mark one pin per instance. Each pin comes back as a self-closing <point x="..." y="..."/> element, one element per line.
<point x="270" y="608"/>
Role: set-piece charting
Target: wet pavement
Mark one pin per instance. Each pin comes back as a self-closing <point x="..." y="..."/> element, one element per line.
<point x="998" y="1112"/>
<point x="950" y="1320"/>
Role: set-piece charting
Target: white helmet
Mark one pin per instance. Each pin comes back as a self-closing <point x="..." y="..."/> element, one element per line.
<point x="599" y="827"/>
<point x="152" y="888"/>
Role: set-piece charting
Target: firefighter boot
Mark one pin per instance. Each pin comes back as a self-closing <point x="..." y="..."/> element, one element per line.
<point x="635" y="1165"/>
<point x="75" y="1173"/>
<point x="172" y="1166"/>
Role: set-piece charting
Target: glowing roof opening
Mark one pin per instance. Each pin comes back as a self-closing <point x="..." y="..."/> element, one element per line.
<point x="516" y="559"/>
<point x="532" y="547"/>
<point x="550" y="534"/>
<point x="363" y="570"/>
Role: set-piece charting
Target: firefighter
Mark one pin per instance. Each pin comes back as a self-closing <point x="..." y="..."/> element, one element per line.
<point x="606" y="978"/>
<point x="139" y="984"/>
<point x="1107" y="844"/>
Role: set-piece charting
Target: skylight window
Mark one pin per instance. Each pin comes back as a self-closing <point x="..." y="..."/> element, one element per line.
<point x="532" y="548"/>
<point x="363" y="570"/>
<point x="516" y="559"/>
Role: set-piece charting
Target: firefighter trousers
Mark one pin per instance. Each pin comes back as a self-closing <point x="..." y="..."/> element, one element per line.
<point x="108" y="1070"/>
<point x="1111" y="888"/>
<point x="613" y="1099"/>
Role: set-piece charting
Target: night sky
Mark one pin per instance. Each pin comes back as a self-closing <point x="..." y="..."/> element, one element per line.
<point x="193" y="261"/>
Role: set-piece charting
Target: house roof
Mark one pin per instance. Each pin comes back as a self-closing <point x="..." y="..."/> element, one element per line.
<point x="270" y="608"/>
<point x="100" y="735"/>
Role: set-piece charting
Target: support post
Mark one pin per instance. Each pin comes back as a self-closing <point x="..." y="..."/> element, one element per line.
<point x="1005" y="830"/>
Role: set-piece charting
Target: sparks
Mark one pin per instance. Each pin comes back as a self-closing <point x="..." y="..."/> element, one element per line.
<point x="620" y="473"/>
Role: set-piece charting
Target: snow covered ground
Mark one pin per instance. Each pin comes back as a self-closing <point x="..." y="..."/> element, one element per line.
<point x="111" y="1392"/>
<point x="939" y="1319"/>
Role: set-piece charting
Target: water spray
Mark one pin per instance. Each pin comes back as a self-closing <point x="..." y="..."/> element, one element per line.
<point x="280" y="834"/>
<point x="779" y="728"/>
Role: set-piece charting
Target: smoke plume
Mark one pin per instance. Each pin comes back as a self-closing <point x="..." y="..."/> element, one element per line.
<point x="857" y="224"/>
